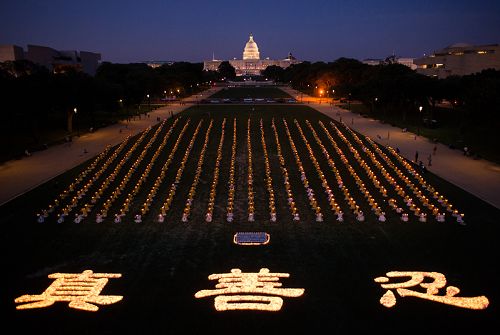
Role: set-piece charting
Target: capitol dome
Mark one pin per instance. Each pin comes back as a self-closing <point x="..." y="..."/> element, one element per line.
<point x="251" y="50"/>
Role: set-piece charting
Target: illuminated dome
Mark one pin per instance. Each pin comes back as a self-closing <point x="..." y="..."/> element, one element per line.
<point x="251" y="50"/>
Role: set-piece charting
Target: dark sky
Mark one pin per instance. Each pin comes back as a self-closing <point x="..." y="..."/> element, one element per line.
<point x="130" y="31"/>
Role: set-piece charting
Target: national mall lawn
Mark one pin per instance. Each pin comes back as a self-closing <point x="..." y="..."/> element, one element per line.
<point x="163" y="264"/>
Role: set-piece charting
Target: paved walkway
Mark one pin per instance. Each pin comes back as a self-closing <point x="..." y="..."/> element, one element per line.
<point x="20" y="176"/>
<point x="479" y="177"/>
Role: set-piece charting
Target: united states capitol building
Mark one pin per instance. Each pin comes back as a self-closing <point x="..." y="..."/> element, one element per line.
<point x="251" y="64"/>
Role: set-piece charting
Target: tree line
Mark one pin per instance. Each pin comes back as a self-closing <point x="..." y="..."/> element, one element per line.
<point x="39" y="106"/>
<point x="466" y="108"/>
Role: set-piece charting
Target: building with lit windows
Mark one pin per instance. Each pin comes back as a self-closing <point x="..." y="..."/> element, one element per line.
<point x="54" y="60"/>
<point x="251" y="64"/>
<point x="459" y="60"/>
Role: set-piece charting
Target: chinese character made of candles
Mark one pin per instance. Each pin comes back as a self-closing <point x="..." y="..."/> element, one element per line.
<point x="80" y="289"/>
<point x="432" y="289"/>
<point x="249" y="291"/>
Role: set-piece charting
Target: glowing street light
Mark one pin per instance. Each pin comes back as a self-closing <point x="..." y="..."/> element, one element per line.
<point x="75" y="111"/>
<point x="419" y="118"/>
<point x="321" y="95"/>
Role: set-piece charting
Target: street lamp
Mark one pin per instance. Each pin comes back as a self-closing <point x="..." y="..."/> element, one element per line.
<point x="149" y="103"/>
<point x="419" y="118"/>
<point x="75" y="110"/>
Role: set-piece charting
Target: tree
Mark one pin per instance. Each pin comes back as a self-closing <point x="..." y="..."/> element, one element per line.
<point x="226" y="70"/>
<point x="274" y="72"/>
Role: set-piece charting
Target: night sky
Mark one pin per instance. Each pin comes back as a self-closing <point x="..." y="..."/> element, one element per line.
<point x="133" y="31"/>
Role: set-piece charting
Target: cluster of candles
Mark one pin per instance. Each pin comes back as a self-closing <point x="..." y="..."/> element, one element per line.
<point x="124" y="182"/>
<point x="196" y="179"/>
<point x="331" y="199"/>
<point x="310" y="192"/>
<point x="415" y="190"/>
<point x="104" y="185"/>
<point x="232" y="186"/>
<point x="215" y="181"/>
<point x="170" y="197"/>
<point x="399" y="190"/>
<point x="408" y="201"/>
<point x="269" y="179"/>
<point x="360" y="216"/>
<point x="371" y="200"/>
<point x="251" y="204"/>
<point x="130" y="197"/>
<point x="81" y="290"/>
<point x="284" y="172"/>
<point x="239" y="290"/>
<point x="347" y="196"/>
<point x="445" y="203"/>
<point x="159" y="179"/>
<point x="413" y="183"/>
<point x="71" y="188"/>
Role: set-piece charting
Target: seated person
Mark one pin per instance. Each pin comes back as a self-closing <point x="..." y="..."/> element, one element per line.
<point x="360" y="216"/>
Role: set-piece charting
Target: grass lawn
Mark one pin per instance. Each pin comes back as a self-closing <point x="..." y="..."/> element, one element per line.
<point x="479" y="138"/>
<point x="164" y="264"/>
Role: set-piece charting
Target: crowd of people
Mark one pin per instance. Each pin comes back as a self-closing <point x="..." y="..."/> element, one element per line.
<point x="269" y="178"/>
<point x="376" y="174"/>
<point x="196" y="179"/>
<point x="286" y="179"/>
<point x="436" y="209"/>
<point x="251" y="203"/>
<point x="215" y="180"/>
<point x="231" y="182"/>
<point x="159" y="180"/>
<point x="303" y="177"/>
<point x="130" y="196"/>
<point x="170" y="197"/>
<point x="120" y="188"/>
